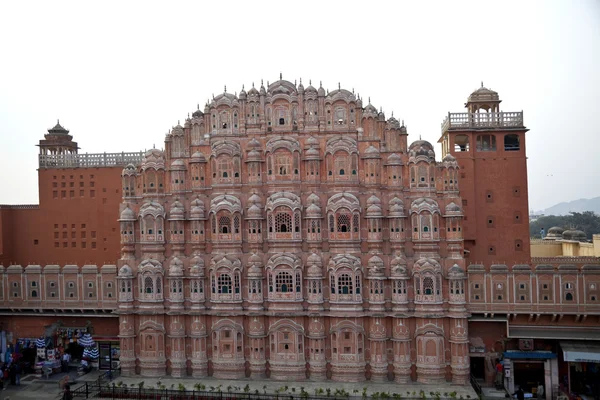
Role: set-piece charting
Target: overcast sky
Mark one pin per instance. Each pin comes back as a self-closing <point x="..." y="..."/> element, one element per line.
<point x="120" y="74"/>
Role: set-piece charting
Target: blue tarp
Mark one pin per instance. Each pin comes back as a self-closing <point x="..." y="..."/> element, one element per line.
<point x="520" y="355"/>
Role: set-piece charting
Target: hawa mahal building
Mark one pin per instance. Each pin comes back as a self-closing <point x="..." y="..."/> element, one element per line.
<point x="294" y="233"/>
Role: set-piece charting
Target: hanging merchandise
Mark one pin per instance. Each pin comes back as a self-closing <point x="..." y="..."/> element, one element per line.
<point x="40" y="342"/>
<point x="86" y="340"/>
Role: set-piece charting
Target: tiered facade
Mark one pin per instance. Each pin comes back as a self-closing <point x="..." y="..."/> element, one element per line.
<point x="291" y="233"/>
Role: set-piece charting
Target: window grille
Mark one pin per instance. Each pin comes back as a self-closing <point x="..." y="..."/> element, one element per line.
<point x="283" y="282"/>
<point x="345" y="284"/>
<point x="224" y="284"/>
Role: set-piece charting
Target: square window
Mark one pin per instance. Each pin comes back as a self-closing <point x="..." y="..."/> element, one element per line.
<point x="35" y="241"/>
<point x="545" y="286"/>
<point x="476" y="297"/>
<point x="477" y="286"/>
<point x="522" y="286"/>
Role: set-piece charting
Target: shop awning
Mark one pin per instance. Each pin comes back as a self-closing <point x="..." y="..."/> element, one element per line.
<point x="553" y="332"/>
<point x="581" y="352"/>
<point x="531" y="355"/>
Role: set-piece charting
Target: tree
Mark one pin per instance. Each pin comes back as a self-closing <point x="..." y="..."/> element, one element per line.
<point x="587" y="221"/>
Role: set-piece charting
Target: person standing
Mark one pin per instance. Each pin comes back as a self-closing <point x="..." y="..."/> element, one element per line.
<point x="499" y="374"/>
<point x="18" y="371"/>
<point x="540" y="391"/>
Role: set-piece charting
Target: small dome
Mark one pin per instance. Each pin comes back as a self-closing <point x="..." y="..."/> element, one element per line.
<point x="372" y="152"/>
<point x="310" y="89"/>
<point x="554" y="233"/>
<point x="256" y="264"/>
<point x="243" y="94"/>
<point x="449" y="158"/>
<point x="254" y="144"/>
<point x="254" y="198"/>
<point x="197" y="113"/>
<point x="198" y="157"/>
<point x="197" y="266"/>
<point x="177" y="130"/>
<point x="176" y="267"/>
<point x="262" y="92"/>
<point x="376" y="267"/>
<point x="129" y="170"/>
<point x="312" y="153"/>
<point x="255" y="259"/>
<point x="374" y="207"/>
<point x="127" y="214"/>
<point x="373" y="200"/>
<point x="197" y="209"/>
<point x="321" y="91"/>
<point x="453" y="209"/>
<point x="422" y="148"/>
<point x="370" y="109"/>
<point x="483" y="94"/>
<point x="312" y="141"/>
<point x="313" y="211"/>
<point x="125" y="271"/>
<point x="575" y="235"/>
<point x="176" y="211"/>
<point x="254" y="155"/>
<point x="456" y="272"/>
<point x="396" y="207"/>
<point x="315" y="263"/>
<point x="253" y="91"/>
<point x="398" y="267"/>
<point x="254" y="212"/>
<point x="178" y="165"/>
<point x="314" y="259"/>
<point x="392" y="123"/>
<point x="394" y="159"/>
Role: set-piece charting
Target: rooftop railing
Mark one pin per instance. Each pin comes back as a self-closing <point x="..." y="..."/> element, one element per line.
<point x="483" y="120"/>
<point x="90" y="160"/>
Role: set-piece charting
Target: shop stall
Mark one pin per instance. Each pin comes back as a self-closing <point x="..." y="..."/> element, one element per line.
<point x="583" y="369"/>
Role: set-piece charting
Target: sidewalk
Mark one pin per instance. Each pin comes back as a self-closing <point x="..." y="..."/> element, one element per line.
<point x="286" y="387"/>
<point x="36" y="388"/>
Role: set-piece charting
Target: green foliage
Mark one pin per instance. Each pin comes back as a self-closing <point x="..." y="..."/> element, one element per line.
<point x="141" y="385"/>
<point x="452" y="395"/>
<point x="181" y="387"/>
<point x="247" y="388"/>
<point x="587" y="221"/>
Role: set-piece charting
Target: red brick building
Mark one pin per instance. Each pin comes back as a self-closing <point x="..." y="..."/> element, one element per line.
<point x="289" y="231"/>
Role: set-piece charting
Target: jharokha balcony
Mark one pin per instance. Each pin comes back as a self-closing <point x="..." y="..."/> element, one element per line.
<point x="483" y="120"/>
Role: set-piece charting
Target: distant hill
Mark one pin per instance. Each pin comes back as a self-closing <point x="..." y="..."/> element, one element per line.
<point x="579" y="205"/>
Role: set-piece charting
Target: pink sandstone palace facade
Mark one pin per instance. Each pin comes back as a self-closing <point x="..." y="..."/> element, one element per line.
<point x="293" y="233"/>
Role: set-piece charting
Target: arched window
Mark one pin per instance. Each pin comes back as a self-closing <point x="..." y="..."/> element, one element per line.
<point x="148" y="285"/>
<point x="224" y="224"/>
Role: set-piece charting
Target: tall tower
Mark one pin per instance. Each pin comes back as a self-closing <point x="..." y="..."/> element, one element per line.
<point x="489" y="146"/>
<point x="57" y="142"/>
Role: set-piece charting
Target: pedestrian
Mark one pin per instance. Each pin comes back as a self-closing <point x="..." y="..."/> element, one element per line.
<point x="520" y="394"/>
<point x="499" y="374"/>
<point x="18" y="371"/>
<point x="12" y="375"/>
<point x="540" y="391"/>
<point x="67" y="394"/>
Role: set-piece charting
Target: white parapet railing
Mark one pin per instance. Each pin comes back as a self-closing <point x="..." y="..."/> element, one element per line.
<point x="90" y="160"/>
<point x="513" y="119"/>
